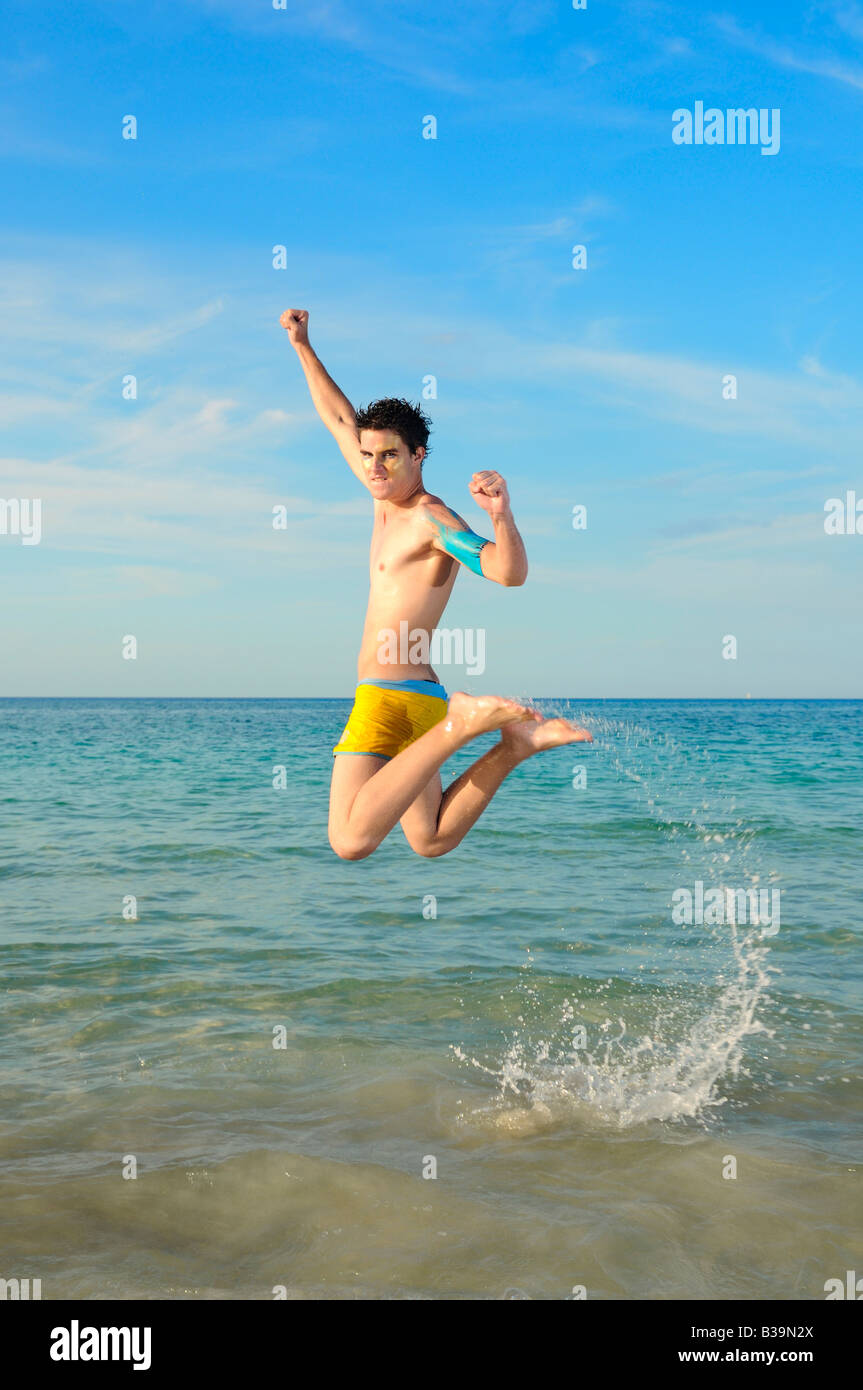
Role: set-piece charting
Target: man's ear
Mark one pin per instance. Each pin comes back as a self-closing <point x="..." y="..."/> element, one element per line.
<point x="420" y="454"/>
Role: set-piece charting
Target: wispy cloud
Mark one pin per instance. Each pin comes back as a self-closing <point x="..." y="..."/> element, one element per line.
<point x="405" y="52"/>
<point x="850" y="18"/>
<point x="836" y="69"/>
<point x="68" y="346"/>
<point x="578" y="218"/>
<point x="201" y="514"/>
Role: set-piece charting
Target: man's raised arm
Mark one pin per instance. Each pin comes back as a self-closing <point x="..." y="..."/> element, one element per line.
<point x="332" y="405"/>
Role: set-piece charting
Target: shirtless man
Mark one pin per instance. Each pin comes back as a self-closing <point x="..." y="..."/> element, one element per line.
<point x="402" y="727"/>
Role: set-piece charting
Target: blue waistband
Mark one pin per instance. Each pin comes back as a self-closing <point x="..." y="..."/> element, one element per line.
<point x="419" y="687"/>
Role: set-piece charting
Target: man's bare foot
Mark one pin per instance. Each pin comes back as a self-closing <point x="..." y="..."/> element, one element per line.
<point x="523" y="740"/>
<point x="470" y="715"/>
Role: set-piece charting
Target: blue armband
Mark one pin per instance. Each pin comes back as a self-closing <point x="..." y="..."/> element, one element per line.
<point x="463" y="546"/>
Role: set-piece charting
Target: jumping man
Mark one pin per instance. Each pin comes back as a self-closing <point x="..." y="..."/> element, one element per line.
<point x="403" y="727"/>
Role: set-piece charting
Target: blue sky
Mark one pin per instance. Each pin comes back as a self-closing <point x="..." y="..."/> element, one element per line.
<point x="450" y="257"/>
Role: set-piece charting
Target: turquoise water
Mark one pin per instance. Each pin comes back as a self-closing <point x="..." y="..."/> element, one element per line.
<point x="577" y="1066"/>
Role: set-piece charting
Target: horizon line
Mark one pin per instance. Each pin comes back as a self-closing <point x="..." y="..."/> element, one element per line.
<point x="593" y="699"/>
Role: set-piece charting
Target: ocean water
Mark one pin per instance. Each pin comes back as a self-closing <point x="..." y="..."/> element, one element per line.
<point x="505" y="1073"/>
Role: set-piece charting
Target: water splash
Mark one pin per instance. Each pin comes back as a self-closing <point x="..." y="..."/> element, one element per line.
<point x="665" y="1053"/>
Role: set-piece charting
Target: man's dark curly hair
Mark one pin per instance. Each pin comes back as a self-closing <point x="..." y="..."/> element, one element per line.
<point x="393" y="413"/>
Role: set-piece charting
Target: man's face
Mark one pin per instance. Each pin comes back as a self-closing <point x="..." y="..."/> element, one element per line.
<point x="392" y="471"/>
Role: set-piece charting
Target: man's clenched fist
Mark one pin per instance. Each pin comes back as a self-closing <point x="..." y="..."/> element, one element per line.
<point x="488" y="490"/>
<point x="296" y="321"/>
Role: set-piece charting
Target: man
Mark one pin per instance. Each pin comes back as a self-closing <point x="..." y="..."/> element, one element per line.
<point x="402" y="727"/>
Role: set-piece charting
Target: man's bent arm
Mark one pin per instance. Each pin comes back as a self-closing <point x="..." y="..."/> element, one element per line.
<point x="504" y="559"/>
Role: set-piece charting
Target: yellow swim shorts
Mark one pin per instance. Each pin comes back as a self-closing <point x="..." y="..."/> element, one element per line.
<point x="389" y="715"/>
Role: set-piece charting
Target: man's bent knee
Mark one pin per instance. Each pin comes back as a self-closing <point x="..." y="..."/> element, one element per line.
<point x="348" y="846"/>
<point x="432" y="849"/>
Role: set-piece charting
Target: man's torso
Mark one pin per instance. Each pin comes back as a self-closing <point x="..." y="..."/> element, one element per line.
<point x="409" y="586"/>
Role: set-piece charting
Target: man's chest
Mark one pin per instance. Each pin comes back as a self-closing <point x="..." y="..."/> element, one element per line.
<point x="396" y="545"/>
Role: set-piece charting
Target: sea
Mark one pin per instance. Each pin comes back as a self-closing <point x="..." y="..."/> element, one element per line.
<point x="611" y="1047"/>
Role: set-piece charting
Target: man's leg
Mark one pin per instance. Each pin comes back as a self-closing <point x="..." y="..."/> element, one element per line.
<point x="351" y="772"/>
<point x="437" y="822"/>
<point x="368" y="796"/>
